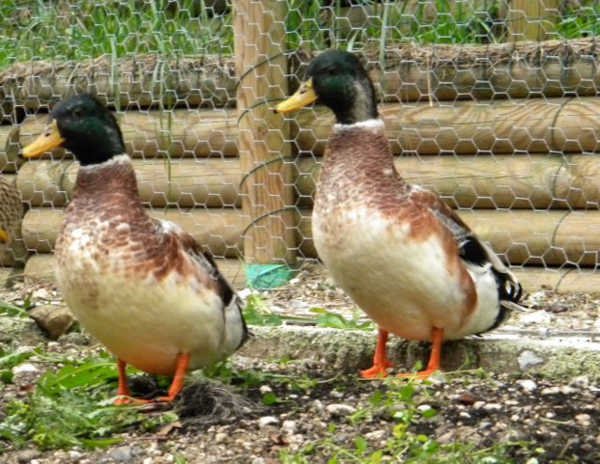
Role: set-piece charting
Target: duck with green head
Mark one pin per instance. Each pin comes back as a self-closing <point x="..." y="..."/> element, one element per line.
<point x="401" y="253"/>
<point x="141" y="286"/>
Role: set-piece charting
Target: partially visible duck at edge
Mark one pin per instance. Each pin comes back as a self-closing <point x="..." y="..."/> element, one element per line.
<point x="403" y="256"/>
<point x="141" y="286"/>
<point x="11" y="213"/>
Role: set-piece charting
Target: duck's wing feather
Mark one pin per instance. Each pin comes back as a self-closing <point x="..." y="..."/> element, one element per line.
<point x="471" y="248"/>
<point x="207" y="271"/>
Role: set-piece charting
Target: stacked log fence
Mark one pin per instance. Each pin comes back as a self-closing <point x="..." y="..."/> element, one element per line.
<point x="508" y="134"/>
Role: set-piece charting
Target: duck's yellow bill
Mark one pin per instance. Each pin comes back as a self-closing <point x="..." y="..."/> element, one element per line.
<point x="4" y="236"/>
<point x="48" y="140"/>
<point x="304" y="96"/>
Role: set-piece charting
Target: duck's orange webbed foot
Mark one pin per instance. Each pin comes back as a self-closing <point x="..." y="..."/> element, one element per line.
<point x="183" y="361"/>
<point x="123" y="391"/>
<point x="380" y="362"/>
<point x="437" y="337"/>
<point x="130" y="401"/>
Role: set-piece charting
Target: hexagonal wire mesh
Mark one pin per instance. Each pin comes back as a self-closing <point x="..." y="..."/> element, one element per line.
<point x="489" y="103"/>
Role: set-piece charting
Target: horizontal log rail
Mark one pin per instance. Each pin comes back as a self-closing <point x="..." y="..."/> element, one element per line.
<point x="549" y="238"/>
<point x="501" y="127"/>
<point x="502" y="181"/>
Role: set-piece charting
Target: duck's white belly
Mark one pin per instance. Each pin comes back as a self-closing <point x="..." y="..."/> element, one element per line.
<point x="144" y="322"/>
<point x="404" y="285"/>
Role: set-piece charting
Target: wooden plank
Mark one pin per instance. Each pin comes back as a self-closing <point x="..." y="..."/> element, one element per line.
<point x="179" y="182"/>
<point x="502" y="181"/>
<point x="499" y="127"/>
<point x="499" y="181"/>
<point x="549" y="238"/>
<point x="259" y="32"/>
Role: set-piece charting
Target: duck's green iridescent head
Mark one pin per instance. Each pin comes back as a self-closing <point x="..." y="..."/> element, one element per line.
<point x="83" y="125"/>
<point x="338" y="80"/>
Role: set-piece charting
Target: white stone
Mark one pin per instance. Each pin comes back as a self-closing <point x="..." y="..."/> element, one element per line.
<point x="41" y="293"/>
<point x="25" y="368"/>
<point x="492" y="407"/>
<point x="75" y="455"/>
<point x="220" y="437"/>
<point x="264" y="389"/>
<point x="340" y="409"/>
<point x="266" y="421"/>
<point x="289" y="426"/>
<point x="375" y="435"/>
<point x="528" y="359"/>
<point x="527" y="385"/>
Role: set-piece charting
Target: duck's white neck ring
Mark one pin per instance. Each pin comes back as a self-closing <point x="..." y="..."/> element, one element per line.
<point x="372" y="124"/>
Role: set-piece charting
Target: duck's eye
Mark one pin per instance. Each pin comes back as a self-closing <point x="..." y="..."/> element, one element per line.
<point x="77" y="112"/>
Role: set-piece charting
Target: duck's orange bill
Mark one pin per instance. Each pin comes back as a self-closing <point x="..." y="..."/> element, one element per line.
<point x="304" y="96"/>
<point x="4" y="236"/>
<point x="47" y="140"/>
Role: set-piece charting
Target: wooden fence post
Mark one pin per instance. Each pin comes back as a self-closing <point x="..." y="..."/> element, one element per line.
<point x="532" y="19"/>
<point x="268" y="193"/>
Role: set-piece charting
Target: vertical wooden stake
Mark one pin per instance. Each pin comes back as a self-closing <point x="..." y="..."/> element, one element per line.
<point x="259" y="30"/>
<point x="532" y="19"/>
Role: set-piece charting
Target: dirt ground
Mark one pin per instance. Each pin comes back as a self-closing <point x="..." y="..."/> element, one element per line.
<point x="316" y="414"/>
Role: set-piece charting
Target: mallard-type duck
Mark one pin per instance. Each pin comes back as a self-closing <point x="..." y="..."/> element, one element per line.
<point x="11" y="212"/>
<point x="141" y="286"/>
<point x="398" y="250"/>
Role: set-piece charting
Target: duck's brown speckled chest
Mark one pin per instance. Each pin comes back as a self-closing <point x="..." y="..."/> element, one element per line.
<point x="358" y="174"/>
<point x="106" y="231"/>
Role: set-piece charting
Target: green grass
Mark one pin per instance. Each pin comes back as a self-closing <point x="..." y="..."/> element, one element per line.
<point x="59" y="30"/>
<point x="580" y="22"/>
<point x="73" y="407"/>
<point x="90" y="28"/>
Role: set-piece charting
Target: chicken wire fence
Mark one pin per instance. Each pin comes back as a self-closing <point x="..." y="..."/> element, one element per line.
<point x="489" y="103"/>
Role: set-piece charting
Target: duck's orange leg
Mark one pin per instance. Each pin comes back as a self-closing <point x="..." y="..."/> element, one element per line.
<point x="123" y="388"/>
<point x="183" y="361"/>
<point x="437" y="337"/>
<point x="380" y="360"/>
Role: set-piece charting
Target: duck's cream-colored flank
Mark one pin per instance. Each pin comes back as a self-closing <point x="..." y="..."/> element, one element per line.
<point x="394" y="247"/>
<point x="141" y="286"/>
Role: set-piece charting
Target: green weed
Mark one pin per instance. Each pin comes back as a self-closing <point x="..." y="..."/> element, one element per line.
<point x="75" y="30"/>
<point x="8" y="309"/>
<point x="73" y="407"/>
<point x="337" y="321"/>
<point x="257" y="312"/>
